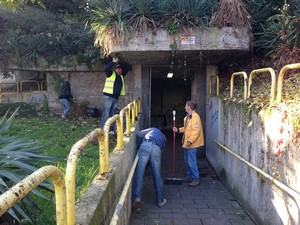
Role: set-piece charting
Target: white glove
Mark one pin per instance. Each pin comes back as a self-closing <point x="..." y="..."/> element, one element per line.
<point x="115" y="59"/>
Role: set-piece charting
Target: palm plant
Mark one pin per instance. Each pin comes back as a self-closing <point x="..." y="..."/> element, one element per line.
<point x="279" y="36"/>
<point x="18" y="159"/>
<point x="260" y="11"/>
<point x="192" y="13"/>
<point x="107" y="21"/>
<point x="231" y="13"/>
<point x="142" y="16"/>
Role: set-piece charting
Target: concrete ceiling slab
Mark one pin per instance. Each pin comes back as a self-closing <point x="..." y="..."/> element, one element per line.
<point x="196" y="48"/>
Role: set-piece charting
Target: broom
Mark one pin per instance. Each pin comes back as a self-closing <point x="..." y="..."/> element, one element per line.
<point x="173" y="180"/>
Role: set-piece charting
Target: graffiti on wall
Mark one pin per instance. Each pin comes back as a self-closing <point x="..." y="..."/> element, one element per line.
<point x="34" y="99"/>
<point x="213" y="112"/>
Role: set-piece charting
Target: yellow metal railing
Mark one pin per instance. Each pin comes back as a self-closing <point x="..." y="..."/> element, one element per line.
<point x="293" y="193"/>
<point x="9" y="82"/>
<point x="132" y="113"/>
<point x="273" y="85"/>
<point x="10" y="198"/>
<point x="43" y="84"/>
<point x="217" y="84"/>
<point x="65" y="190"/>
<point x="232" y="83"/>
<point x="71" y="170"/>
<point x="11" y="93"/>
<point x="30" y="81"/>
<point x="280" y="79"/>
<point x="104" y="167"/>
<point x="125" y="111"/>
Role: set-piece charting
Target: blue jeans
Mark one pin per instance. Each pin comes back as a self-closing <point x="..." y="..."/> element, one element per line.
<point x="66" y="105"/>
<point x="108" y="107"/>
<point x="190" y="158"/>
<point x="148" y="151"/>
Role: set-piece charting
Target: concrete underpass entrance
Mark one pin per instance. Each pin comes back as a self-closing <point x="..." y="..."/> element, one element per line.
<point x="210" y="203"/>
<point x="167" y="94"/>
<point x="162" y="95"/>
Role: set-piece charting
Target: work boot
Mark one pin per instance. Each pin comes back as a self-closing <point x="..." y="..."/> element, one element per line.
<point x="194" y="183"/>
<point x="137" y="204"/>
<point x="162" y="203"/>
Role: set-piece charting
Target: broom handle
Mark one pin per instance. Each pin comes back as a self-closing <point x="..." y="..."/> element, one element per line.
<point x="174" y="150"/>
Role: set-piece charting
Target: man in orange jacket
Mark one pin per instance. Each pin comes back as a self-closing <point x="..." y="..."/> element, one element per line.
<point x="191" y="140"/>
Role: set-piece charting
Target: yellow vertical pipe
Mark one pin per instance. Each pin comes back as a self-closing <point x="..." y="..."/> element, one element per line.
<point x="280" y="79"/>
<point x="120" y="143"/>
<point x="139" y="105"/>
<point x="127" y="131"/>
<point x="130" y="111"/>
<point x="103" y="156"/>
<point x="104" y="148"/>
<point x="71" y="172"/>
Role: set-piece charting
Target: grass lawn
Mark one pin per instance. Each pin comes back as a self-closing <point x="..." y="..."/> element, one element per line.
<point x="59" y="136"/>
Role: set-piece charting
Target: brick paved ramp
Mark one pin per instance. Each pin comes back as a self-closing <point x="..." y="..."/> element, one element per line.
<point x="210" y="203"/>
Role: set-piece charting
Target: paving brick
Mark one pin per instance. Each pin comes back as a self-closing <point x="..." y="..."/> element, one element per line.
<point x="184" y="210"/>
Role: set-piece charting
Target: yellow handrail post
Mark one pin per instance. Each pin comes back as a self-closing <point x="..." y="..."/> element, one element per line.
<point x="104" y="149"/>
<point x="127" y="131"/>
<point x="71" y="172"/>
<point x="273" y="85"/>
<point x="120" y="143"/>
<point x="244" y="74"/>
<point x="21" y="189"/>
<point x="131" y="108"/>
<point x="42" y="86"/>
<point x="139" y="105"/>
<point x="280" y="79"/>
<point x="122" y="112"/>
<point x="136" y="109"/>
<point x="217" y="85"/>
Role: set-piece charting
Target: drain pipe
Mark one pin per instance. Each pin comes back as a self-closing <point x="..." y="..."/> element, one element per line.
<point x="123" y="196"/>
<point x="279" y="184"/>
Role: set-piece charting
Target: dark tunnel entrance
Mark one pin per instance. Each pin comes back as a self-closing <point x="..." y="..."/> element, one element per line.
<point x="168" y="95"/>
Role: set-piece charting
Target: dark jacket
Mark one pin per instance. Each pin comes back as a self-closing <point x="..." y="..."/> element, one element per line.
<point x="118" y="82"/>
<point x="65" y="91"/>
<point x="152" y="134"/>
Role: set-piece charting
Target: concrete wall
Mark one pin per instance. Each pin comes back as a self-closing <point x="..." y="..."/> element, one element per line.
<point x="87" y="86"/>
<point x="99" y="202"/>
<point x="255" y="136"/>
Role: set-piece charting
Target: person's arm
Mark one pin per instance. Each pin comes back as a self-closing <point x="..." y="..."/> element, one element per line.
<point x="108" y="69"/>
<point x="139" y="138"/>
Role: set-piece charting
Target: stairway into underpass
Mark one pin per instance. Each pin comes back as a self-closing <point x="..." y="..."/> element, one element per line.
<point x="210" y="203"/>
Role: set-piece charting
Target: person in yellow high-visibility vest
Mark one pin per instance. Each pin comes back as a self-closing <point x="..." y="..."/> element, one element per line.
<point x="114" y="87"/>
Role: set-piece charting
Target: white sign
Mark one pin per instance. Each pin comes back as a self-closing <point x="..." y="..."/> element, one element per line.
<point x="187" y="39"/>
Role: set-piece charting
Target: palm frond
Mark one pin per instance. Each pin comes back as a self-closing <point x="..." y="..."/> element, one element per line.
<point x="18" y="159"/>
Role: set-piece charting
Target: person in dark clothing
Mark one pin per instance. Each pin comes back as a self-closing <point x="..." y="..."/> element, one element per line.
<point x="114" y="87"/>
<point x="151" y="144"/>
<point x="64" y="98"/>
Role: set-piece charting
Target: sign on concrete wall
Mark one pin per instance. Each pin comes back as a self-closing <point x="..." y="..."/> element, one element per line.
<point x="187" y="39"/>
